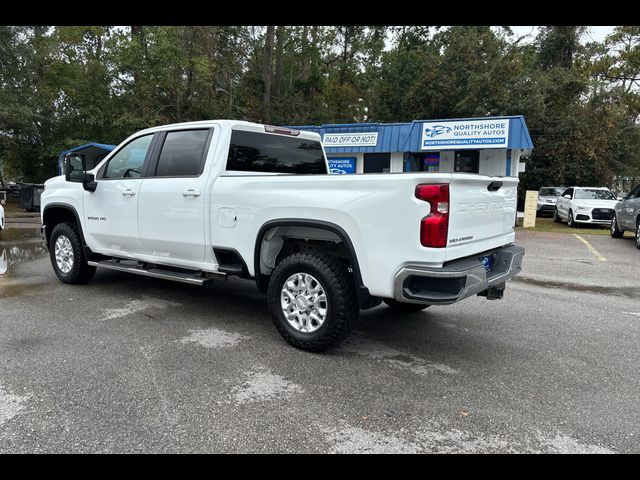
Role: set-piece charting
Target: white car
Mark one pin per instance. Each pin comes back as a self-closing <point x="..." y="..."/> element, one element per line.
<point x="592" y="205"/>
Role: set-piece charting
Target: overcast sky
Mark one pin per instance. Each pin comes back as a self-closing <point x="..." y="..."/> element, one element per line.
<point x="595" y="33"/>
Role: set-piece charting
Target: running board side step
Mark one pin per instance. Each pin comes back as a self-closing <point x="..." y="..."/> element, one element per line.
<point x="189" y="278"/>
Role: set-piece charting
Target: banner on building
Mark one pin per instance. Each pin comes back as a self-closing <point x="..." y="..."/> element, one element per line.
<point x="342" y="165"/>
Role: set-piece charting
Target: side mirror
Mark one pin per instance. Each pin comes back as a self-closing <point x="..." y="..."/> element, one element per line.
<point x="567" y="196"/>
<point x="74" y="167"/>
<point x="619" y="199"/>
<point x="75" y="170"/>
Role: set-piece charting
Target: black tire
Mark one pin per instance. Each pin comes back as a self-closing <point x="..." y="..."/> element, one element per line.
<point x="638" y="234"/>
<point x="556" y="217"/>
<point x="571" y="222"/>
<point x="615" y="230"/>
<point x="80" y="271"/>
<point x="401" y="307"/>
<point x="342" y="306"/>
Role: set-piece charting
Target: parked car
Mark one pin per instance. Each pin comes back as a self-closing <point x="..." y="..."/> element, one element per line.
<point x="626" y="216"/>
<point x="547" y="197"/>
<point x="196" y="201"/>
<point x="587" y="205"/>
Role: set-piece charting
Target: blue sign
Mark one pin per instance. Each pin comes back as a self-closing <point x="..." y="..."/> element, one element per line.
<point x="342" y="165"/>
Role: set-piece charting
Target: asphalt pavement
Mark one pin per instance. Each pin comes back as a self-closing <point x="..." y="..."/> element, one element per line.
<point x="135" y="364"/>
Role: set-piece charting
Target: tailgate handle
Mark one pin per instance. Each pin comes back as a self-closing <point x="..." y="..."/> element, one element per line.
<point x="494" y="186"/>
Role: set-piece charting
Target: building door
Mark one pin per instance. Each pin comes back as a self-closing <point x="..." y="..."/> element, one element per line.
<point x="377" y="162"/>
<point x="467" y="161"/>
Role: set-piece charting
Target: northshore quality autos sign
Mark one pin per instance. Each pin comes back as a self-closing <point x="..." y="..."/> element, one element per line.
<point x="458" y="134"/>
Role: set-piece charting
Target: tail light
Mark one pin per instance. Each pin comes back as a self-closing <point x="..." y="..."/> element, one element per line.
<point x="434" y="228"/>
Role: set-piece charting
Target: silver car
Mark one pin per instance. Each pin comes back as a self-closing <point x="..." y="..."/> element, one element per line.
<point x="547" y="197"/>
<point x="626" y="216"/>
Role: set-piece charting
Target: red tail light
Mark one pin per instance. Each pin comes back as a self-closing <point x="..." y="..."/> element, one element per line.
<point x="434" y="228"/>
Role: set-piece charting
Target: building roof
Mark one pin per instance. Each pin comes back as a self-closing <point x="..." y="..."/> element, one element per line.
<point x="406" y="137"/>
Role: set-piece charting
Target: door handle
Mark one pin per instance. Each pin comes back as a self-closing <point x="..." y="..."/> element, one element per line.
<point x="190" y="192"/>
<point x="128" y="193"/>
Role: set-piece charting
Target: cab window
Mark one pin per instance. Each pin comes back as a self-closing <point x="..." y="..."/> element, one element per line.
<point x="129" y="161"/>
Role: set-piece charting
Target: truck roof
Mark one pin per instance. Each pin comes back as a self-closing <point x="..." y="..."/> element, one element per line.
<point x="240" y="124"/>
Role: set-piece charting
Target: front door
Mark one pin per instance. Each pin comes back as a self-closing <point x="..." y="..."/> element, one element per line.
<point x="171" y="208"/>
<point x="111" y="212"/>
<point x="627" y="211"/>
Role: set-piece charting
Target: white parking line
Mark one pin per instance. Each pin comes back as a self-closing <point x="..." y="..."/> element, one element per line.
<point x="591" y="249"/>
<point x="635" y="314"/>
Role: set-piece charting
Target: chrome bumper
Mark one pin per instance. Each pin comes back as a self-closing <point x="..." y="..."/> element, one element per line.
<point x="458" y="279"/>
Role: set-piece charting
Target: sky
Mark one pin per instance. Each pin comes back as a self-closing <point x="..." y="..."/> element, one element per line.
<point x="595" y="33"/>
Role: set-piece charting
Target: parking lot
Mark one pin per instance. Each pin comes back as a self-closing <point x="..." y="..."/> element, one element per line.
<point x="133" y="364"/>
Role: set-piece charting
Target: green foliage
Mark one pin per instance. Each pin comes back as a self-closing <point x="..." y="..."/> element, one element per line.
<point x="63" y="86"/>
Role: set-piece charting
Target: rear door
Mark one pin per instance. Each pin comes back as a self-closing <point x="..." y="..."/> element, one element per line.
<point x="482" y="210"/>
<point x="171" y="208"/>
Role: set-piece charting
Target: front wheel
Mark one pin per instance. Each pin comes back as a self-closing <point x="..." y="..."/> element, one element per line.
<point x="571" y="222"/>
<point x="615" y="231"/>
<point x="67" y="257"/>
<point x="638" y="234"/>
<point x="312" y="300"/>
<point x="401" y="307"/>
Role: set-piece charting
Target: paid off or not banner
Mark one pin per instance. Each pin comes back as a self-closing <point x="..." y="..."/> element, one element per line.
<point x="530" y="208"/>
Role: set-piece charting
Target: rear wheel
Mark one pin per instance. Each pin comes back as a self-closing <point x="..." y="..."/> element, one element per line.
<point x="312" y="300"/>
<point x="615" y="231"/>
<point x="67" y="256"/>
<point x="556" y="217"/>
<point x="571" y="222"/>
<point x="638" y="233"/>
<point x="401" y="307"/>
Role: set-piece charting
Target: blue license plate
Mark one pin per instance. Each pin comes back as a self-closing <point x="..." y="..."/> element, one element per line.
<point x="487" y="261"/>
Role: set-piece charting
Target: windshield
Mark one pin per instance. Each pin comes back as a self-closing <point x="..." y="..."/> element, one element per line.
<point x="550" y="192"/>
<point x="585" y="194"/>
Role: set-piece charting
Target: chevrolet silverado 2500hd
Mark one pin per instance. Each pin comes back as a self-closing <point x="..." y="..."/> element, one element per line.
<point x="195" y="201"/>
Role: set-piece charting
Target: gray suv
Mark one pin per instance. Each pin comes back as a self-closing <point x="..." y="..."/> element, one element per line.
<point x="626" y="216"/>
<point x="547" y="197"/>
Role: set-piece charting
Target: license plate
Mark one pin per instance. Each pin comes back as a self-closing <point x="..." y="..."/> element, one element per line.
<point x="487" y="261"/>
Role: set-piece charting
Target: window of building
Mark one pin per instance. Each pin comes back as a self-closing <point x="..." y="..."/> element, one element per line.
<point x="377" y="162"/>
<point x="422" y="162"/>
<point x="261" y="152"/>
<point x="182" y="153"/>
<point x="467" y="161"/>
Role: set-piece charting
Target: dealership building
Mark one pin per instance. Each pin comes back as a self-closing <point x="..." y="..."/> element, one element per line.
<point x="489" y="145"/>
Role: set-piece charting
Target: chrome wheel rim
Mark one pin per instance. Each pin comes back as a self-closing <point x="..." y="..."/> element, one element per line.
<point x="304" y="302"/>
<point x="613" y="224"/>
<point x="63" y="252"/>
<point x="638" y="235"/>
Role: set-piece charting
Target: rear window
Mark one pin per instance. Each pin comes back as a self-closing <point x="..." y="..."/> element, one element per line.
<point x="182" y="153"/>
<point x="261" y="152"/>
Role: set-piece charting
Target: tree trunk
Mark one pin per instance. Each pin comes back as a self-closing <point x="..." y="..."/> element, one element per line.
<point x="280" y="39"/>
<point x="267" y="73"/>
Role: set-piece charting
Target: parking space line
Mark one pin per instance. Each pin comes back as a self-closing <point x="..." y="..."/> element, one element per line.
<point x="595" y="252"/>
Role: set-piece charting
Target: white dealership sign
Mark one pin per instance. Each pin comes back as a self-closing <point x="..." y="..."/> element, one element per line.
<point x="365" y="139"/>
<point x="461" y="134"/>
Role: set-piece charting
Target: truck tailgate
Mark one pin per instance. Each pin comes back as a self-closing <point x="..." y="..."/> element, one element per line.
<point x="482" y="213"/>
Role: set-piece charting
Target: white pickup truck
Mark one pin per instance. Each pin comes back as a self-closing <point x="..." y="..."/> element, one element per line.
<point x="196" y="201"/>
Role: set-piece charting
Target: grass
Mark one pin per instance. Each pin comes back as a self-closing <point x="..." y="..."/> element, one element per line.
<point x="545" y="224"/>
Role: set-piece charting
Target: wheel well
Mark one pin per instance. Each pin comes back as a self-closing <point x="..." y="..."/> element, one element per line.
<point x="53" y="216"/>
<point x="276" y="240"/>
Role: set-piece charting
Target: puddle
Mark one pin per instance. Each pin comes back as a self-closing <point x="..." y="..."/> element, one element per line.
<point x="19" y="245"/>
<point x="629" y="292"/>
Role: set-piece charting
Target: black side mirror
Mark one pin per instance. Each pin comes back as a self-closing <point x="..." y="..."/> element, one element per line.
<point x="75" y="170"/>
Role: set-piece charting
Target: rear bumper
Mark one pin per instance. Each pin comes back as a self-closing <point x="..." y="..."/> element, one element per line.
<point x="458" y="279"/>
